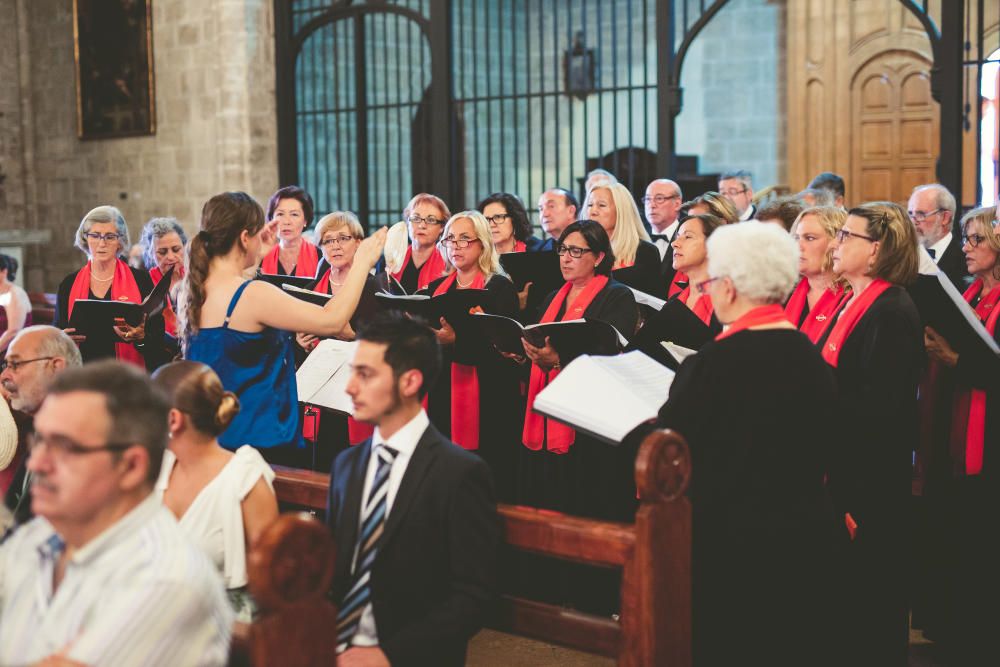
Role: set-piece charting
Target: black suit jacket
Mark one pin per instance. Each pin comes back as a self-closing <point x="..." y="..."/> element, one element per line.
<point x="433" y="578"/>
<point x="667" y="265"/>
<point x="952" y="263"/>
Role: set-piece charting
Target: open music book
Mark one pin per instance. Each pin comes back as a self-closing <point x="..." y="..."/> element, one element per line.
<point x="678" y="352"/>
<point x="96" y="317"/>
<point x="606" y="397"/>
<point x="570" y="338"/>
<point x="309" y="295"/>
<point x="322" y="377"/>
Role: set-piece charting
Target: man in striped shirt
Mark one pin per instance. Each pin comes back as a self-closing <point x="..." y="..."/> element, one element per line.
<point x="104" y="575"/>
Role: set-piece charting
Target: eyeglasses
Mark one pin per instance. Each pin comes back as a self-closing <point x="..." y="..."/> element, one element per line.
<point x="920" y="216"/>
<point x="574" y="252"/>
<point x="659" y="199"/>
<point x="973" y="240"/>
<point x="429" y="220"/>
<point x="458" y="243"/>
<point x="702" y="287"/>
<point x="62" y="447"/>
<point x="842" y="236"/>
<point x="732" y="193"/>
<point x="14" y="364"/>
<point x="342" y="240"/>
<point x="97" y="237"/>
<point x="495" y="220"/>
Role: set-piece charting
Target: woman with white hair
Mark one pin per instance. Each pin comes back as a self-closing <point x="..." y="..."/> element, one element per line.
<point x="103" y="236"/>
<point x="637" y="260"/>
<point x="753" y="405"/>
<point x="162" y="241"/>
<point x="474" y="401"/>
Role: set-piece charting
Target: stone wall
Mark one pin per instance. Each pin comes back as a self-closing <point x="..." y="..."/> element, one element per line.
<point x="215" y="124"/>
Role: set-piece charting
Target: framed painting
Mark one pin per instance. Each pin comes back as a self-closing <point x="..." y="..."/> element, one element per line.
<point x="113" y="50"/>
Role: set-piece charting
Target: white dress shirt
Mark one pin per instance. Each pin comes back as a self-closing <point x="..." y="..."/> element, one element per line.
<point x="940" y="247"/>
<point x="664" y="244"/>
<point x="139" y="593"/>
<point x="404" y="441"/>
<point x="748" y="214"/>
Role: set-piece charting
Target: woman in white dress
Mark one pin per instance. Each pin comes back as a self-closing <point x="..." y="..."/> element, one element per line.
<point x="222" y="499"/>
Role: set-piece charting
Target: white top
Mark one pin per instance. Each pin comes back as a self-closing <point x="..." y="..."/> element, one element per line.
<point x="940" y="247"/>
<point x="404" y="441"/>
<point x="8" y="435"/>
<point x="15" y="292"/>
<point x="137" y="594"/>
<point x="664" y="244"/>
<point x="214" y="520"/>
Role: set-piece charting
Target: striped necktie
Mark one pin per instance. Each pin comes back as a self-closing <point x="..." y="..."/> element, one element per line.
<point x="372" y="523"/>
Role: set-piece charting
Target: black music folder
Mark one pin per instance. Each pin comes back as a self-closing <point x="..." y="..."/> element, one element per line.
<point x="95" y="318"/>
<point x="309" y="295"/>
<point x="942" y="308"/>
<point x="674" y="323"/>
<point x="278" y="280"/>
<point x="571" y="338"/>
<point x="541" y="269"/>
<point x="454" y="306"/>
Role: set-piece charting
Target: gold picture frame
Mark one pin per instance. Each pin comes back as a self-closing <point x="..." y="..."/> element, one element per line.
<point x="113" y="53"/>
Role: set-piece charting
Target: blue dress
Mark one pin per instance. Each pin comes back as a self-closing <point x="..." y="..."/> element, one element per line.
<point x="260" y="369"/>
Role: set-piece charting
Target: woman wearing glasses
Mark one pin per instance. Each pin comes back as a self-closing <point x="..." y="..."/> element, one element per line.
<point x="875" y="347"/>
<point x="509" y="223"/>
<point x="691" y="260"/>
<point x="562" y="469"/>
<point x="756" y="405"/>
<point x="103" y="236"/>
<point x="969" y="497"/>
<point x="637" y="261"/>
<point x="474" y="399"/>
<point x="162" y="241"/>
<point x="820" y="294"/>
<point x="425" y="216"/>
<point x="292" y="208"/>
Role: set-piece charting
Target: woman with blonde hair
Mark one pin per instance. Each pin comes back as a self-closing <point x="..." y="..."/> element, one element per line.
<point x="875" y="347"/>
<point x="223" y="500"/>
<point x="637" y="264"/>
<point x="474" y="401"/>
<point x="714" y="203"/>
<point x="819" y="295"/>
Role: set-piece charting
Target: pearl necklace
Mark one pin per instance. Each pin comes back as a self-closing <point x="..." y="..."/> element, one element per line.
<point x="101" y="280"/>
<point x="461" y="286"/>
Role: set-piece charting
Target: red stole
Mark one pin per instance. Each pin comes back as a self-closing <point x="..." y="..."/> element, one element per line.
<point x="520" y="246"/>
<point x="305" y="265"/>
<point x="797" y="302"/>
<point x="559" y="437"/>
<point x="702" y="307"/>
<point x="849" y="319"/>
<point x="429" y="272"/>
<point x="169" y="316"/>
<point x="675" y="284"/>
<point x="756" y="317"/>
<point x="820" y="315"/>
<point x="969" y="425"/>
<point x="464" y="384"/>
<point x="123" y="288"/>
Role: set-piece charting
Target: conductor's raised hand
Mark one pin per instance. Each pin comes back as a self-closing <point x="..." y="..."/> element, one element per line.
<point x="370" y="249"/>
<point x="268" y="237"/>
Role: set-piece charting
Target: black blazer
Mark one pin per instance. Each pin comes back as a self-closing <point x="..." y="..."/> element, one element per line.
<point x="666" y="266"/>
<point x="952" y="263"/>
<point x="433" y="579"/>
<point x="644" y="274"/>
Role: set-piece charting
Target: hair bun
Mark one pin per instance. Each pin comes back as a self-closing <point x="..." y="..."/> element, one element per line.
<point x="229" y="406"/>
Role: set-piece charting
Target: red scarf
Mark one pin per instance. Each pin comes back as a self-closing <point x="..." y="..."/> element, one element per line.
<point x="849" y="319"/>
<point x="429" y="272"/>
<point x="305" y="265"/>
<point x="797" y="303"/>
<point x="702" y="307"/>
<point x="169" y="317"/>
<point x="559" y="437"/>
<point x="820" y="315"/>
<point x="520" y="246"/>
<point x="323" y="285"/>
<point x="969" y="425"/>
<point x="675" y="284"/>
<point x="755" y="317"/>
<point x="464" y="384"/>
<point x="123" y="288"/>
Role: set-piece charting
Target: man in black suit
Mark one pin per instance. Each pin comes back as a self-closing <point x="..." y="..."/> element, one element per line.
<point x="663" y="204"/>
<point x="737" y="187"/>
<point x="557" y="209"/>
<point x="932" y="211"/>
<point x="413" y="515"/>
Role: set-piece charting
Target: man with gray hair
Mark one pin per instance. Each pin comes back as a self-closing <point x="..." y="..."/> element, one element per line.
<point x="36" y="355"/>
<point x="737" y="187"/>
<point x="932" y="210"/>
<point x="662" y="203"/>
<point x="105" y="575"/>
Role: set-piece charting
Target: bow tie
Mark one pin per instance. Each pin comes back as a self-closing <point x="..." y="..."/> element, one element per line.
<point x="659" y="237"/>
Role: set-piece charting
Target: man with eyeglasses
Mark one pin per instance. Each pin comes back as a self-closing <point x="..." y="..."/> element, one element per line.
<point x="737" y="187"/>
<point x="35" y="357"/>
<point x="662" y="205"/>
<point x="932" y="210"/>
<point x="105" y="575"/>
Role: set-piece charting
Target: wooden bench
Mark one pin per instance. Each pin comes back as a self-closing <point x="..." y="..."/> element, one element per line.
<point x="654" y="553"/>
<point x="43" y="307"/>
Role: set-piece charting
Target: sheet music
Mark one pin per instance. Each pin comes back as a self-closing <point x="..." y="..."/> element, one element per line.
<point x="329" y="359"/>
<point x="648" y="299"/>
<point x="678" y="352"/>
<point x="292" y="288"/>
<point x="648" y="380"/>
<point x="967" y="312"/>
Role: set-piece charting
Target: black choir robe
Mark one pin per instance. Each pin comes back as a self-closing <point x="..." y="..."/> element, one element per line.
<point x="644" y="274"/>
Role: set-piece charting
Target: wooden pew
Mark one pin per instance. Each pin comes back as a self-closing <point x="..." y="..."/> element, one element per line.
<point x="654" y="554"/>
<point x="43" y="307"/>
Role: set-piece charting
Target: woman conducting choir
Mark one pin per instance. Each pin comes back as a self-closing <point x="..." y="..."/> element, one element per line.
<point x="291" y="208"/>
<point x="972" y="494"/>
<point x="15" y="306"/>
<point x="103" y="237"/>
<point x="691" y="260"/>
<point x="819" y="294"/>
<point x="241" y="328"/>
<point x="162" y="242"/>
<point x="562" y="469"/>
<point x="762" y="523"/>
<point x="509" y="223"/>
<point x="475" y="400"/>
<point x="223" y="500"/>
<point x="876" y="349"/>
<point x="637" y="261"/>
<point x="425" y="216"/>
